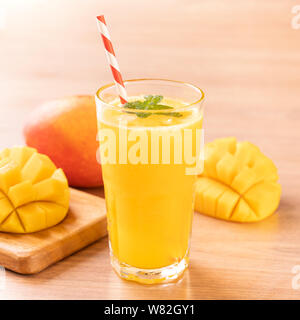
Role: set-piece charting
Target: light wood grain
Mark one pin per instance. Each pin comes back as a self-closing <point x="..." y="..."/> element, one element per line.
<point x="245" y="56"/>
<point x="32" y="253"/>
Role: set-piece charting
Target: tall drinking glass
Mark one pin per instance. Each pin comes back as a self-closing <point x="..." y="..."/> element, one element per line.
<point x="150" y="161"/>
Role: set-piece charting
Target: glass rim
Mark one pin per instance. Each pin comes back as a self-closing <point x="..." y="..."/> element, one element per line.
<point x="181" y="109"/>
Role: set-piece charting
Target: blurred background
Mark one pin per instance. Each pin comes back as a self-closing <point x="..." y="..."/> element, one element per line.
<point x="244" y="54"/>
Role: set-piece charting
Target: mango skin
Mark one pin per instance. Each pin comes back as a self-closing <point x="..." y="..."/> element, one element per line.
<point x="65" y="130"/>
<point x="239" y="182"/>
<point x="34" y="194"/>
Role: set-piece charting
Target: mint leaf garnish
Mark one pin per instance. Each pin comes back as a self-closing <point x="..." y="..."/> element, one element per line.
<point x="153" y="100"/>
<point x="150" y="103"/>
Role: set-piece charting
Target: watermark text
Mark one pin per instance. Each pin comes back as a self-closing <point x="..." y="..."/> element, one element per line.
<point x="295" y="22"/>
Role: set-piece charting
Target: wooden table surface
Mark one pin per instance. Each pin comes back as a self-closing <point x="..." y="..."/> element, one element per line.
<point x="244" y="54"/>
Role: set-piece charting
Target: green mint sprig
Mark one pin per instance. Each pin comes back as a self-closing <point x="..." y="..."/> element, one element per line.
<point x="150" y="103"/>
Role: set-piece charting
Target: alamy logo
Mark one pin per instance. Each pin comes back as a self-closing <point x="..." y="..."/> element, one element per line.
<point x="295" y="23"/>
<point x="158" y="146"/>
<point x="2" y="278"/>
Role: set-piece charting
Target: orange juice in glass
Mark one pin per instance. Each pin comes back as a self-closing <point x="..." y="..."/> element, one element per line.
<point x="150" y="161"/>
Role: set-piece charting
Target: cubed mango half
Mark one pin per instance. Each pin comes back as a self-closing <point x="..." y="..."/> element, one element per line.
<point x="34" y="194"/>
<point x="239" y="183"/>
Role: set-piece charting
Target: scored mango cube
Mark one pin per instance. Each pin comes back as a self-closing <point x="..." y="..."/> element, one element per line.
<point x="38" y="168"/>
<point x="34" y="194"/>
<point x="239" y="183"/>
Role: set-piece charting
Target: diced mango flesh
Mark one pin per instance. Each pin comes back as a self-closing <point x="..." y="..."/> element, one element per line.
<point x="33" y="217"/>
<point x="9" y="176"/>
<point x="38" y="168"/>
<point x="22" y="193"/>
<point x="239" y="183"/>
<point x="12" y="224"/>
<point x="21" y="155"/>
<point x="6" y="209"/>
<point x="34" y="195"/>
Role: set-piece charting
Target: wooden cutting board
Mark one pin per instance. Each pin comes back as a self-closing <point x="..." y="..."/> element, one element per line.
<point x="31" y="253"/>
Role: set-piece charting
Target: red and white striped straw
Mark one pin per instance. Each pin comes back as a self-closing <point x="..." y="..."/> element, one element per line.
<point x="111" y="57"/>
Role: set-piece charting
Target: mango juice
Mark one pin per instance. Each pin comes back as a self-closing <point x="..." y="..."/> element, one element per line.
<point x="149" y="205"/>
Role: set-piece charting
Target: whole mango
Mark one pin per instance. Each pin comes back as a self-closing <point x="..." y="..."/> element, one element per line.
<point x="65" y="130"/>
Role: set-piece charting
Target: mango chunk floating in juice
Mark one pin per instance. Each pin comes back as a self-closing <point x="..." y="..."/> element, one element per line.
<point x="239" y="182"/>
<point x="34" y="194"/>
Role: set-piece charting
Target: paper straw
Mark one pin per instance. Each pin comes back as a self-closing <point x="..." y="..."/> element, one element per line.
<point x="111" y="57"/>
